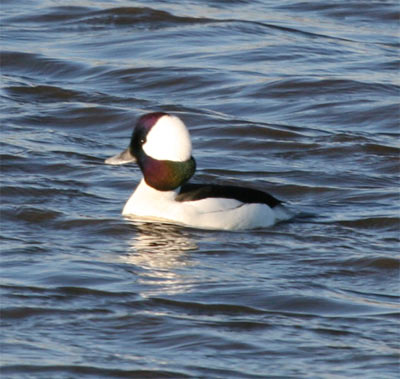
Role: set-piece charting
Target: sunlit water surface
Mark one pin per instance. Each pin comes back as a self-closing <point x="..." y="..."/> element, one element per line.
<point x="297" y="98"/>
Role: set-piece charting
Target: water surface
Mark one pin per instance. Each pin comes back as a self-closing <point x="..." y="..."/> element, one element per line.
<point x="299" y="99"/>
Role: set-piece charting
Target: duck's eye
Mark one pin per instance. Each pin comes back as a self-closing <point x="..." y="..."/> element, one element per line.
<point x="142" y="141"/>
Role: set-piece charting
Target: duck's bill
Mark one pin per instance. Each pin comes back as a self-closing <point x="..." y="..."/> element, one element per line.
<point x="121" y="158"/>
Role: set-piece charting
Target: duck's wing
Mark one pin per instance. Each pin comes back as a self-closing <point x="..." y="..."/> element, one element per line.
<point x="195" y="191"/>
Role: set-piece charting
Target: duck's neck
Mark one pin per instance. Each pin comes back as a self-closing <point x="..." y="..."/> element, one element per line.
<point x="145" y="190"/>
<point x="164" y="175"/>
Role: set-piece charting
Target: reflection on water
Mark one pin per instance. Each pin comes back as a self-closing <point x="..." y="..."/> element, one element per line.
<point x="159" y="246"/>
<point x="160" y="250"/>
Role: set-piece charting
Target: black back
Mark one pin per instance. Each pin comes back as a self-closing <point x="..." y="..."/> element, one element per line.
<point x="194" y="191"/>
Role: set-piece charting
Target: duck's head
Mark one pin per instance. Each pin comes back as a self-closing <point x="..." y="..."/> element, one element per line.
<point x="161" y="145"/>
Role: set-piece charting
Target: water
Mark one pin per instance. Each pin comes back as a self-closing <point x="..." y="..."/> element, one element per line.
<point x="296" y="98"/>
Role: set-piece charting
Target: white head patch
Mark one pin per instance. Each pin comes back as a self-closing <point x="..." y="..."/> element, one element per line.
<point x="168" y="139"/>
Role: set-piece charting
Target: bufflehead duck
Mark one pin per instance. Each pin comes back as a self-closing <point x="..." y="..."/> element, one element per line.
<point x="161" y="146"/>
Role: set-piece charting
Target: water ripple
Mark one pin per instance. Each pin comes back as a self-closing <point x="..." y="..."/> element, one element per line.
<point x="298" y="99"/>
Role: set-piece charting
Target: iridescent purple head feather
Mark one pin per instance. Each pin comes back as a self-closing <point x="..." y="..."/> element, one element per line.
<point x="162" y="147"/>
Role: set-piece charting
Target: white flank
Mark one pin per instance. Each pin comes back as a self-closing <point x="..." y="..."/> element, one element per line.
<point x="210" y="213"/>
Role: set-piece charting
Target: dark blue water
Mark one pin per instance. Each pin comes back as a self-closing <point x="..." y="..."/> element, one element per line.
<point x="300" y="99"/>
